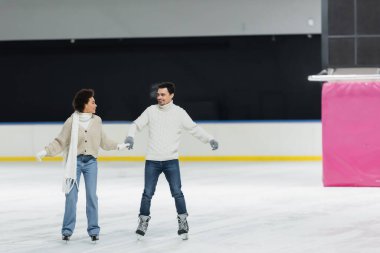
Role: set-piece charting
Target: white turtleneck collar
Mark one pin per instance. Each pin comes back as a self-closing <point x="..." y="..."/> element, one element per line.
<point x="166" y="107"/>
<point x="84" y="119"/>
<point x="85" y="116"/>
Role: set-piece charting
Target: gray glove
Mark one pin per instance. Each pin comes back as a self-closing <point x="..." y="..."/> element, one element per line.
<point x="214" y="144"/>
<point x="129" y="141"/>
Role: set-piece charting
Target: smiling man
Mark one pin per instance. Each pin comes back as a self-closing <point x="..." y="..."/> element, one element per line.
<point x="166" y="122"/>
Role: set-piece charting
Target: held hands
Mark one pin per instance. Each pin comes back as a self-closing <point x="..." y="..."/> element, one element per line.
<point x="121" y="146"/>
<point x="214" y="144"/>
<point x="129" y="142"/>
<point x="40" y="155"/>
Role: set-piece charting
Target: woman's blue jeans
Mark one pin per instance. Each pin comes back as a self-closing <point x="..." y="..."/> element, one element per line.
<point x="87" y="165"/>
<point x="153" y="169"/>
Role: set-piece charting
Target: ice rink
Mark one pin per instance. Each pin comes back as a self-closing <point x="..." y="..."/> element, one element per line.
<point x="233" y="207"/>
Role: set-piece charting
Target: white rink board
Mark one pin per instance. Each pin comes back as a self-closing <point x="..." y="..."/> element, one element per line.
<point x="236" y="139"/>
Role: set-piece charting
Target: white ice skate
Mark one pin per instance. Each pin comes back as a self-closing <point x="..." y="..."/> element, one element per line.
<point x="184" y="236"/>
<point x="142" y="227"/>
<point x="183" y="226"/>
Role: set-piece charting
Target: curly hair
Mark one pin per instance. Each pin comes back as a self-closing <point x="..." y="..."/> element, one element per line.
<point x="81" y="98"/>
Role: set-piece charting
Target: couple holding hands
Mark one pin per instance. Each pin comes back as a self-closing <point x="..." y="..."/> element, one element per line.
<point x="82" y="136"/>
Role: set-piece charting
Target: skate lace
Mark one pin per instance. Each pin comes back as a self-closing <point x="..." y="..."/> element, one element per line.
<point x="143" y="225"/>
<point x="182" y="224"/>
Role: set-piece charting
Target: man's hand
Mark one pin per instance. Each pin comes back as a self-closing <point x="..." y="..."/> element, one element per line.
<point x="40" y="155"/>
<point x="214" y="144"/>
<point x="129" y="142"/>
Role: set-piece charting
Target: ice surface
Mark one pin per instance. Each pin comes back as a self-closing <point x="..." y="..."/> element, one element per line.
<point x="233" y="207"/>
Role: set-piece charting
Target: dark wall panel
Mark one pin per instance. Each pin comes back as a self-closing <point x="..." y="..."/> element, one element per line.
<point x="350" y="33"/>
<point x="342" y="52"/>
<point x="218" y="78"/>
<point x="369" y="51"/>
<point x="341" y="17"/>
<point x="368" y="17"/>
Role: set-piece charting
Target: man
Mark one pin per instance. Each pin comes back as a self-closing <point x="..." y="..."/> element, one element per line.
<point x="165" y="121"/>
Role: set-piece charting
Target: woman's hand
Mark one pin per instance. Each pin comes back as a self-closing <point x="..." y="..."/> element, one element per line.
<point x="122" y="146"/>
<point x="41" y="155"/>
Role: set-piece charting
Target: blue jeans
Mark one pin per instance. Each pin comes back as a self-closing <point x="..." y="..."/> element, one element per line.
<point x="153" y="169"/>
<point x="87" y="165"/>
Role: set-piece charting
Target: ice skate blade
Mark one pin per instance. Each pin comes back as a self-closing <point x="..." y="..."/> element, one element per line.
<point x="184" y="236"/>
<point x="94" y="238"/>
<point x="139" y="237"/>
<point x="66" y="239"/>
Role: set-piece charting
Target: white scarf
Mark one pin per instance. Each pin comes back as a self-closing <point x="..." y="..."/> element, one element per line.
<point x="70" y="161"/>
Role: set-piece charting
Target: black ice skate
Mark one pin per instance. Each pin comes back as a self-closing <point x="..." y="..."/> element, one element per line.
<point x="94" y="238"/>
<point x="143" y="226"/>
<point x="183" y="227"/>
<point x="66" y="238"/>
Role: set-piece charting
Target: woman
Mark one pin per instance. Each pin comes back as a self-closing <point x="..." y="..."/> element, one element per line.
<point x="80" y="138"/>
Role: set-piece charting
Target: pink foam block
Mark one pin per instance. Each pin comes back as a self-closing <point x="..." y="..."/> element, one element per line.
<point x="351" y="134"/>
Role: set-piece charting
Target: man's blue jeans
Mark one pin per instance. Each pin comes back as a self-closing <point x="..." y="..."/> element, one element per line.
<point x="87" y="165"/>
<point x="153" y="169"/>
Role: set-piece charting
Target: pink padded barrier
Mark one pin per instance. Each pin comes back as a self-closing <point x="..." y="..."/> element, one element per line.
<point x="351" y="133"/>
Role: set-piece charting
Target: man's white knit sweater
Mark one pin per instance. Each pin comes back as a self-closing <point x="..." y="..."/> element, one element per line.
<point x="165" y="127"/>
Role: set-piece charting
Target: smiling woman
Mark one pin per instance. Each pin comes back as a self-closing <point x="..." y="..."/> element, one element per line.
<point x="84" y="101"/>
<point x="90" y="107"/>
<point x="80" y="139"/>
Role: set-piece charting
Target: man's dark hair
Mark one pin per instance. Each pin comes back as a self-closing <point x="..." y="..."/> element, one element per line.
<point x="169" y="85"/>
<point x="81" y="98"/>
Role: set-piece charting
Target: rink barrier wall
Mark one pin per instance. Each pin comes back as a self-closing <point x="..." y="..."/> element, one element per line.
<point x="269" y="140"/>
